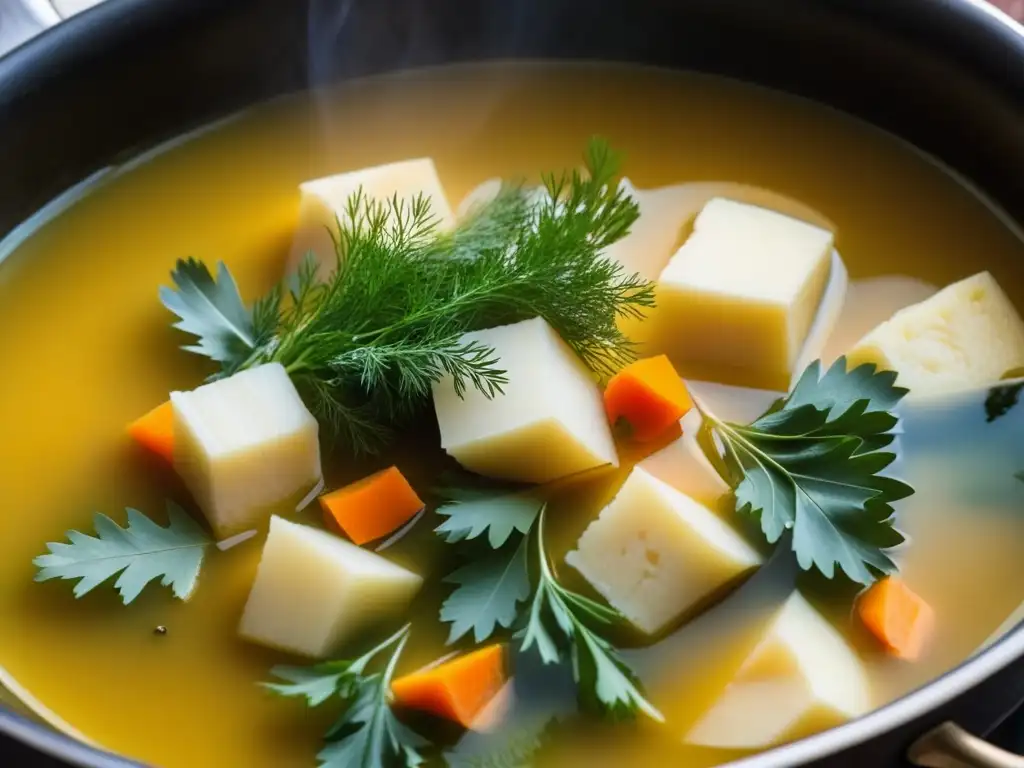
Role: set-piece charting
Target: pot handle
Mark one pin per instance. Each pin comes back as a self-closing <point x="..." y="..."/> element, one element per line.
<point x="950" y="746"/>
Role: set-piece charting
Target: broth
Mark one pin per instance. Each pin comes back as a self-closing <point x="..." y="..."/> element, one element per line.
<point x="88" y="348"/>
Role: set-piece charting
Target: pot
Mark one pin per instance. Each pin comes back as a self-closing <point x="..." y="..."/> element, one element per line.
<point x="945" y="75"/>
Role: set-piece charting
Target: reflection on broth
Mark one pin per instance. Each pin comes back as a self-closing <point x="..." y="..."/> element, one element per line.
<point x="731" y="645"/>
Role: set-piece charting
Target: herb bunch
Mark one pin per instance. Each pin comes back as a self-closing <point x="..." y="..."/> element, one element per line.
<point x="494" y="589"/>
<point x="365" y="346"/>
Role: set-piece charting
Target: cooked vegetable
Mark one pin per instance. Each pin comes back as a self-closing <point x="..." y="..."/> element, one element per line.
<point x="140" y="552"/>
<point x="245" y="446"/>
<point x="649" y="396"/>
<point x="812" y="465"/>
<point x="373" y="507"/>
<point x="457" y="689"/>
<point x="325" y="200"/>
<point x="155" y="431"/>
<point x="802" y="677"/>
<point x="897" y="617"/>
<point x="737" y="301"/>
<point x="965" y="336"/>
<point x="546" y="423"/>
<point x="366" y="347"/>
<point x="654" y="553"/>
<point x="367" y="734"/>
<point x="313" y="590"/>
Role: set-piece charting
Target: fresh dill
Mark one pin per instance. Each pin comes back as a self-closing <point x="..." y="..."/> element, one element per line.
<point x="366" y="346"/>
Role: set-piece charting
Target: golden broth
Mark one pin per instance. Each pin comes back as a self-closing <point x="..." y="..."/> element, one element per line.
<point x="88" y="347"/>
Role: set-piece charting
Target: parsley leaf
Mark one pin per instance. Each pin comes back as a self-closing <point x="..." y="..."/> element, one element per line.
<point x="811" y="464"/>
<point x="498" y="516"/>
<point x="367" y="734"/>
<point x="560" y="617"/>
<point x="212" y="310"/>
<point x="489" y="593"/>
<point x="317" y="684"/>
<point x="1001" y="399"/>
<point x="140" y="552"/>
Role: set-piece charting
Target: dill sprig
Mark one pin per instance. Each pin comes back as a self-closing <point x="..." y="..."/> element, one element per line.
<point x="365" y="346"/>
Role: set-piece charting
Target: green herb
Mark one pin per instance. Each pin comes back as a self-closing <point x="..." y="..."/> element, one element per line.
<point x="366" y="346"/>
<point x="560" y="617"/>
<point x="1001" y="400"/>
<point x="489" y="592"/>
<point x="212" y="310"/>
<point x="493" y="588"/>
<point x="497" y="516"/>
<point x="811" y="464"/>
<point x="367" y="734"/>
<point x="140" y="552"/>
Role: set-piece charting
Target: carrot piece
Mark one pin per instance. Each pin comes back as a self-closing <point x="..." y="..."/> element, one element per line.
<point x="649" y="395"/>
<point x="458" y="689"/>
<point x="897" y="617"/>
<point x="155" y="431"/>
<point x="373" y="507"/>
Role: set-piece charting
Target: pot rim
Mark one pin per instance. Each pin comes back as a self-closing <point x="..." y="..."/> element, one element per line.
<point x="993" y="23"/>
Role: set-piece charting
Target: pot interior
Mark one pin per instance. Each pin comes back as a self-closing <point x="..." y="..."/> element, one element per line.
<point x="512" y="103"/>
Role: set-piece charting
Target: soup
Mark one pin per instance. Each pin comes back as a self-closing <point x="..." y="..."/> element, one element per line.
<point x="712" y="611"/>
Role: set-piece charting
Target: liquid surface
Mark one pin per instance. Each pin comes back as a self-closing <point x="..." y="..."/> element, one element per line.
<point x="87" y="347"/>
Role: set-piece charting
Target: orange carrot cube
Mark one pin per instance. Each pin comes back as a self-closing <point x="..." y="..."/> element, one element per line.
<point x="649" y="395"/>
<point x="458" y="689"/>
<point x="900" y="620"/>
<point x="155" y="431"/>
<point x="373" y="507"/>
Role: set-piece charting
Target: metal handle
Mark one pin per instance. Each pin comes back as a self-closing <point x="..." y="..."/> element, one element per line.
<point x="950" y="746"/>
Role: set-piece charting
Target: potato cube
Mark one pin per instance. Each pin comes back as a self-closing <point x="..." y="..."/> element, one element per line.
<point x="314" y="590"/>
<point x="325" y="200"/>
<point x="548" y="423"/>
<point x="965" y="336"/>
<point x="737" y="301"/>
<point x="801" y="678"/>
<point x="245" y="445"/>
<point x="654" y="553"/>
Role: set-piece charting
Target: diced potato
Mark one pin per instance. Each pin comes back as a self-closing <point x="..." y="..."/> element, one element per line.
<point x="801" y="678"/>
<point x="683" y="465"/>
<point x="869" y="302"/>
<point x="548" y="423"/>
<point x="654" y="553"/>
<point x="314" y="590"/>
<point x="325" y="200"/>
<point x="245" y="445"/>
<point x="737" y="301"/>
<point x="967" y="335"/>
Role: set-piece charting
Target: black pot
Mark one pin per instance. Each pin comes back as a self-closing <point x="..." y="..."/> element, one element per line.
<point x="946" y="75"/>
